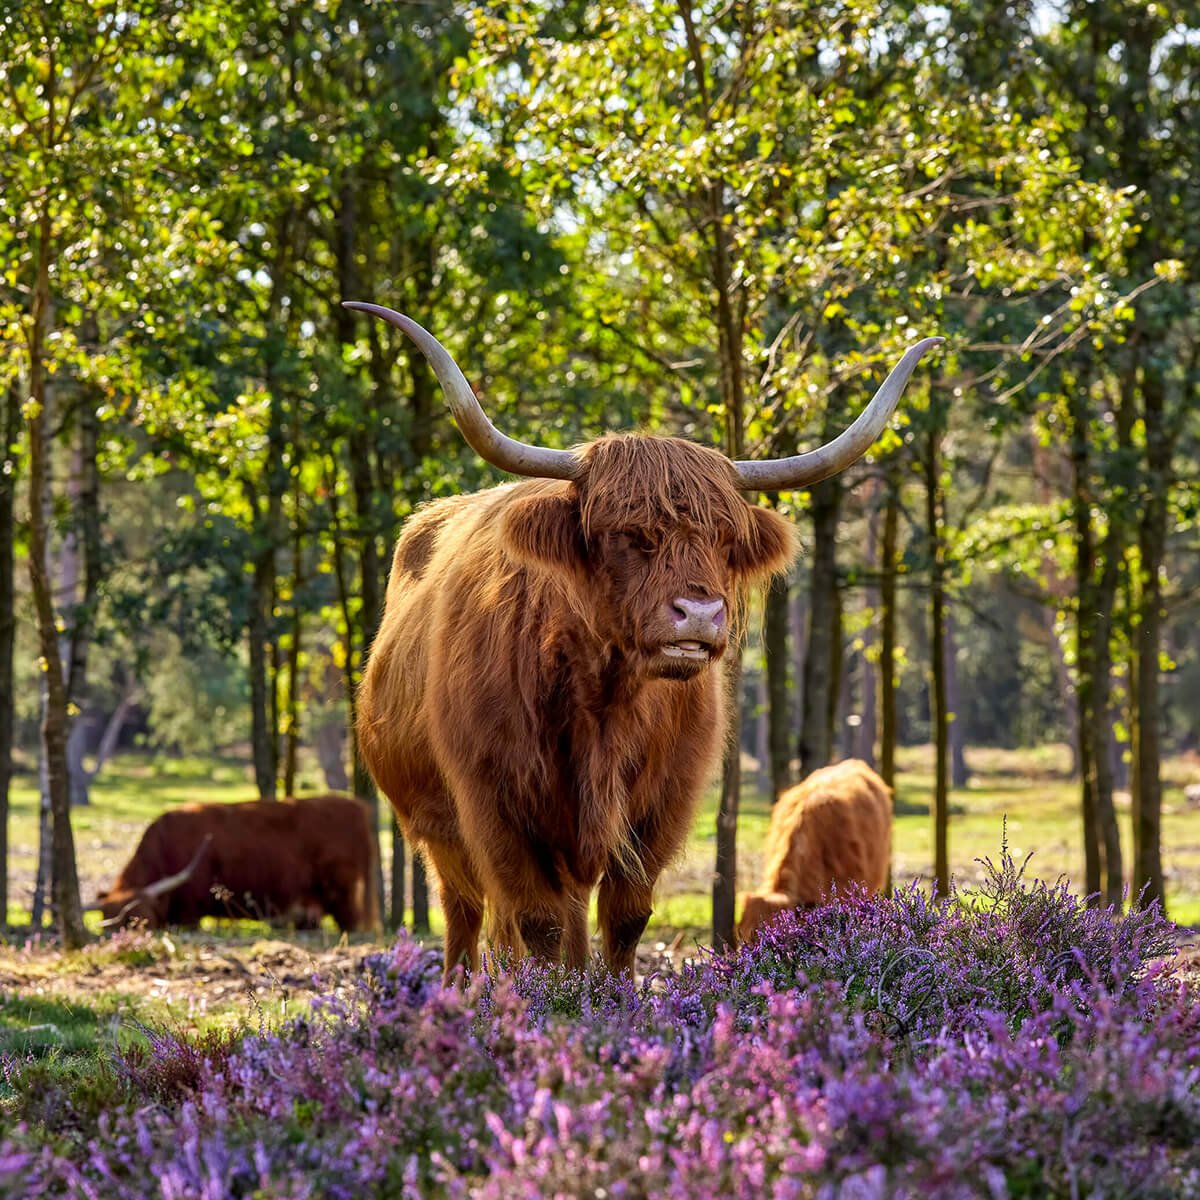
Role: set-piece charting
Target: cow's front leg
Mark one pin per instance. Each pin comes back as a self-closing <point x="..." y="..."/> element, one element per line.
<point x="625" y="907"/>
<point x="462" y="908"/>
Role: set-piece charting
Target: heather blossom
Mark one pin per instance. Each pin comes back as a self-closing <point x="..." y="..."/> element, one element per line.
<point x="1007" y="1043"/>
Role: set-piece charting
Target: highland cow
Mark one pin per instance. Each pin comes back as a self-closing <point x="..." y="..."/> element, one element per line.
<point x="540" y="704"/>
<point x="290" y="859"/>
<point x="832" y="830"/>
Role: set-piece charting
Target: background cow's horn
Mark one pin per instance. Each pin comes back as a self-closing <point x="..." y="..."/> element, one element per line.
<point x="785" y="474"/>
<point x="170" y="882"/>
<point x="483" y="437"/>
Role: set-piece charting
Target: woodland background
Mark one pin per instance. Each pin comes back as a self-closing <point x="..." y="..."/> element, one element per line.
<point x="721" y="220"/>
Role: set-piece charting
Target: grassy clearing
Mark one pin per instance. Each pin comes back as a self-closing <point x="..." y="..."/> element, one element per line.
<point x="65" y="1017"/>
<point x="1029" y="791"/>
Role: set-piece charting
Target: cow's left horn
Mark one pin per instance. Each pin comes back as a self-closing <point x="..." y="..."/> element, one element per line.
<point x="786" y="474"/>
<point x="483" y="437"/>
<point x="153" y="890"/>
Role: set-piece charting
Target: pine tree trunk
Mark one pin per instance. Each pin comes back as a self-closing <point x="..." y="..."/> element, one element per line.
<point x="1085" y="627"/>
<point x="262" y="733"/>
<point x="729" y="320"/>
<point x="292" y="716"/>
<point x="868" y="729"/>
<point x="9" y="418"/>
<point x="1101" y="719"/>
<point x="420" y="890"/>
<point x="84" y="497"/>
<point x="397" y="880"/>
<point x="821" y="659"/>
<point x="959" y="775"/>
<point x="330" y="741"/>
<point x="939" y="709"/>
<point x="887" y="629"/>
<point x="1147" y="748"/>
<point x="724" y="891"/>
<point x="64" y="881"/>
<point x="779" y="718"/>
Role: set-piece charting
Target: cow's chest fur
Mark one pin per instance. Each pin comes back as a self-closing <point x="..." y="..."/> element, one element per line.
<point x="580" y="772"/>
<point x="620" y="754"/>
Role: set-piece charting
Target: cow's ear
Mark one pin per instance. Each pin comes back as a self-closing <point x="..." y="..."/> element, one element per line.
<point x="769" y="548"/>
<point x="544" y="529"/>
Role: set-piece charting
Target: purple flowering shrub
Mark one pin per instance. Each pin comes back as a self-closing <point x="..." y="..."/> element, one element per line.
<point x="1011" y="1043"/>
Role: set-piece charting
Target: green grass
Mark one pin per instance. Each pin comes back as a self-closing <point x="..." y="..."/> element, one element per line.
<point x="1028" y="790"/>
<point x="69" y="1013"/>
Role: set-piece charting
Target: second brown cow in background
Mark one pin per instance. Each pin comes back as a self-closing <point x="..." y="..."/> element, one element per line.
<point x="834" y="829"/>
<point x="265" y="859"/>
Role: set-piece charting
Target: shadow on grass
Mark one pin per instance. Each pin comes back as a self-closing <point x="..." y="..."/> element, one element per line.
<point x="37" y="1025"/>
<point x="902" y="807"/>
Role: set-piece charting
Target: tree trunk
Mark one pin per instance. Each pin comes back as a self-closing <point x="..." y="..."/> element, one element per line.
<point x="420" y="895"/>
<point x="775" y="652"/>
<point x="64" y="880"/>
<point x="1085" y="625"/>
<point x="330" y="740"/>
<point x="77" y="772"/>
<point x="292" y="720"/>
<point x="724" y="892"/>
<point x="363" y="784"/>
<point x="45" y="862"/>
<point x="824" y="632"/>
<point x="939" y="710"/>
<point x="887" y="629"/>
<point x="9" y="417"/>
<point x="84" y="496"/>
<point x="959" y="775"/>
<point x="1147" y="750"/>
<point x="846" y="721"/>
<point x="800" y="623"/>
<point x="868" y="730"/>
<point x="111" y="734"/>
<point x="398" y="889"/>
<point x="262" y="732"/>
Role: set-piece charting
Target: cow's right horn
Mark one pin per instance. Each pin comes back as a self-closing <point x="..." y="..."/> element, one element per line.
<point x="788" y="474"/>
<point x="483" y="437"/>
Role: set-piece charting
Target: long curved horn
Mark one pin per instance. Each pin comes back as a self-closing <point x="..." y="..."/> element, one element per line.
<point x="787" y="474"/>
<point x="482" y="436"/>
<point x="153" y="890"/>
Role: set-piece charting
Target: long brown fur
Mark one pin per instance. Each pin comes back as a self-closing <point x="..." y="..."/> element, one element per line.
<point x="516" y="709"/>
<point x="292" y="858"/>
<point x="833" y="829"/>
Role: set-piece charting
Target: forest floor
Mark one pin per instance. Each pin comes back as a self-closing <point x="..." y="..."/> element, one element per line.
<point x="249" y="975"/>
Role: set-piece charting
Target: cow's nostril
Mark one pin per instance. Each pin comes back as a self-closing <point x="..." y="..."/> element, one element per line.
<point x="701" y="615"/>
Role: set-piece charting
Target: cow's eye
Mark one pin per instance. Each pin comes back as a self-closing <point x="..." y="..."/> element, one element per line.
<point x="638" y="541"/>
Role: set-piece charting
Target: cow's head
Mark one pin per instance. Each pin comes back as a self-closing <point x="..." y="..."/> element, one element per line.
<point x="660" y="544"/>
<point x="124" y="905"/>
<point x="119" y="907"/>
<point x="655" y="529"/>
<point x="757" y="910"/>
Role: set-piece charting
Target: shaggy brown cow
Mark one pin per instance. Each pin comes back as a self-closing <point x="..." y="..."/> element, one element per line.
<point x="538" y="704"/>
<point x="291" y="858"/>
<point x="834" y="828"/>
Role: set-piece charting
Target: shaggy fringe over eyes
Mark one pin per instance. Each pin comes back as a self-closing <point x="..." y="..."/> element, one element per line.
<point x="630" y="481"/>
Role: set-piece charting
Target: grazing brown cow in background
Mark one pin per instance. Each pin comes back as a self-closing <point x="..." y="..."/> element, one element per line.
<point x="834" y="828"/>
<point x="263" y="859"/>
<point x="538" y="704"/>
